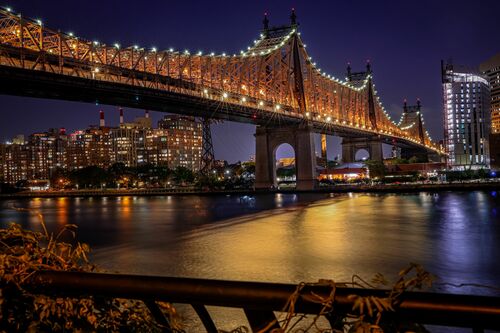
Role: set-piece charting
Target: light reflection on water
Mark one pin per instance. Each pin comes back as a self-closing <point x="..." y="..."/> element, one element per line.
<point x="284" y="237"/>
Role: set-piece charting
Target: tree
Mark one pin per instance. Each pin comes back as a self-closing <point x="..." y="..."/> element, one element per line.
<point x="376" y="169"/>
<point x="91" y="176"/>
<point x="58" y="178"/>
<point x="183" y="175"/>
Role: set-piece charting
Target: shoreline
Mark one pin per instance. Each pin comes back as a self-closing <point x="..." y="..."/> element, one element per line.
<point x="399" y="188"/>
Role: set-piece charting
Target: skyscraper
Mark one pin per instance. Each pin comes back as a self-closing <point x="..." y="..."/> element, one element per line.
<point x="184" y="143"/>
<point x="491" y="68"/>
<point x="466" y="97"/>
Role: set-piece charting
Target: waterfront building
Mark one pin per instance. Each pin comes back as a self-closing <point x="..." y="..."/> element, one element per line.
<point x="491" y="68"/>
<point x="285" y="162"/>
<point x="156" y="147"/>
<point x="184" y="141"/>
<point x="92" y="146"/>
<point x="15" y="159"/>
<point x="345" y="172"/>
<point x="466" y="97"/>
<point x="128" y="144"/>
<point x="76" y="156"/>
<point x="47" y="152"/>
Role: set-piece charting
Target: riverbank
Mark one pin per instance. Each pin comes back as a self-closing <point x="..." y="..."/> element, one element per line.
<point x="382" y="188"/>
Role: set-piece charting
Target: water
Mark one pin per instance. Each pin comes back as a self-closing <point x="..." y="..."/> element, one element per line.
<point x="285" y="237"/>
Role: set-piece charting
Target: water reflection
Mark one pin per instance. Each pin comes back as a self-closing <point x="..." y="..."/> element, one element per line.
<point x="283" y="237"/>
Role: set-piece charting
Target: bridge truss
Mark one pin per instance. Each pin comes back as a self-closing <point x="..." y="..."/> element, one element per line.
<point x="275" y="78"/>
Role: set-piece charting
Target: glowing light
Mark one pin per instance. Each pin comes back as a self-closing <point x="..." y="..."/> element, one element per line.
<point x="224" y="95"/>
<point x="278" y="107"/>
<point x="171" y="50"/>
<point x="205" y="91"/>
<point x="153" y="49"/>
<point x="244" y="99"/>
<point x="8" y="9"/>
<point x="117" y="45"/>
<point x="261" y="103"/>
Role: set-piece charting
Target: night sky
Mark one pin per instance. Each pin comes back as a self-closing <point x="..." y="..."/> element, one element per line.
<point x="404" y="40"/>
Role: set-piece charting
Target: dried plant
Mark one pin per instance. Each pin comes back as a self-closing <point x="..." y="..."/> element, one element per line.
<point x="24" y="252"/>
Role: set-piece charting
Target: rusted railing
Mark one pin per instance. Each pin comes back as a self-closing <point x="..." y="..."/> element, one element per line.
<point x="260" y="300"/>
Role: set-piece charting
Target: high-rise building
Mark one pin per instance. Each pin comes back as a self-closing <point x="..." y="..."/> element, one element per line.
<point x="184" y="141"/>
<point x="76" y="156"/>
<point x="156" y="147"/>
<point x="15" y="157"/>
<point x="47" y="152"/>
<point x="90" y="147"/>
<point x="466" y="97"/>
<point x="491" y="68"/>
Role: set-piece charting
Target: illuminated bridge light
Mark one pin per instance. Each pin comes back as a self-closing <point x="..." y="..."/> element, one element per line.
<point x="278" y="107"/>
<point x="244" y="99"/>
<point x="224" y="95"/>
<point x="261" y="103"/>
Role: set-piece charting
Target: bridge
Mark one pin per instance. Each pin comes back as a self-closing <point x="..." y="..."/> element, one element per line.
<point x="273" y="84"/>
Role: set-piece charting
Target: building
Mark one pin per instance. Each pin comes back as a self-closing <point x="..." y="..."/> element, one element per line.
<point x="491" y="68"/>
<point x="76" y="155"/>
<point x="178" y="142"/>
<point x="344" y="172"/>
<point x="16" y="162"/>
<point x="466" y="98"/>
<point x="184" y="141"/>
<point x="93" y="146"/>
<point x="156" y="150"/>
<point x="47" y="152"/>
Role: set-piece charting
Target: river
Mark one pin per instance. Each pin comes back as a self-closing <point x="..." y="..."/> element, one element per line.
<point x="284" y="237"/>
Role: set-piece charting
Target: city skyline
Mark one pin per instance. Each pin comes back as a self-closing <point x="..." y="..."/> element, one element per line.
<point x="411" y="72"/>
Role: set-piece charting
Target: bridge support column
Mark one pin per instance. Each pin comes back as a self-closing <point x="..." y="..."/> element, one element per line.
<point x="268" y="139"/>
<point x="351" y="145"/>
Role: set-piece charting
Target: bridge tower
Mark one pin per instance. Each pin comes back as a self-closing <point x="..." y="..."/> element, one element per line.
<point x="300" y="136"/>
<point x="412" y="119"/>
<point x="207" y="154"/>
<point x="350" y="145"/>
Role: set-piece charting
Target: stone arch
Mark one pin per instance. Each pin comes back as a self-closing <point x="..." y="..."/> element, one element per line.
<point x="268" y="139"/>
<point x="350" y="146"/>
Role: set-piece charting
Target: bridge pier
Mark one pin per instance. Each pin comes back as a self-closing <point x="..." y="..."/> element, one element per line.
<point x="351" y="145"/>
<point x="268" y="139"/>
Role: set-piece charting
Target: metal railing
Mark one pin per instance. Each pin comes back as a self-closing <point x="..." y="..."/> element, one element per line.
<point x="260" y="300"/>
